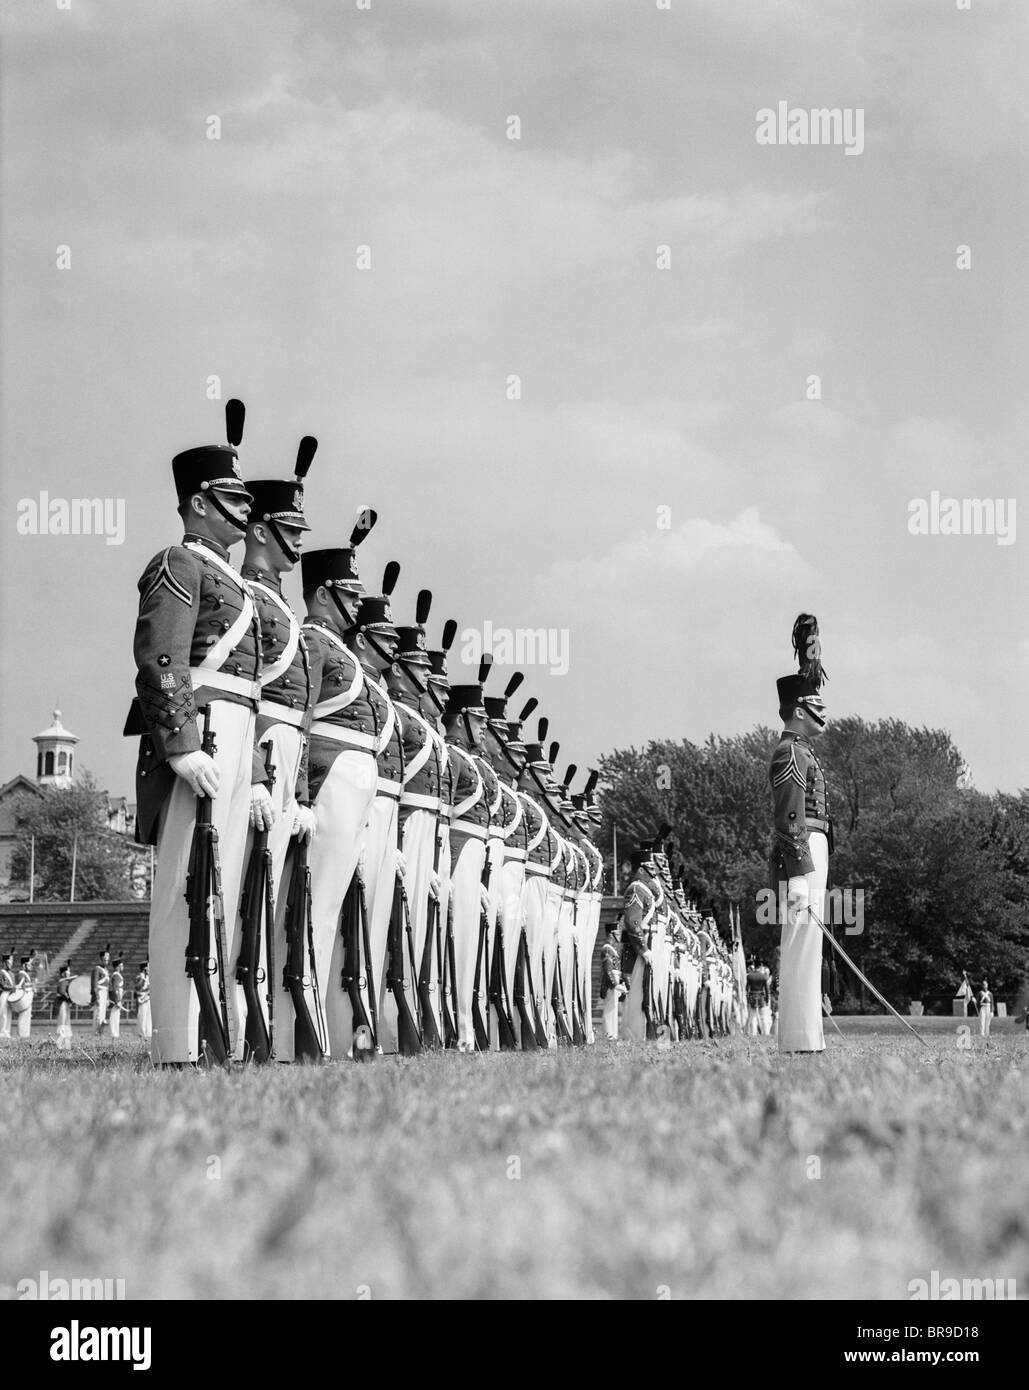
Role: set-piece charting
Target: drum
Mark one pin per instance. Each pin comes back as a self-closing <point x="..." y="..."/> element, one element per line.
<point x="81" y="990"/>
<point x="19" y="1000"/>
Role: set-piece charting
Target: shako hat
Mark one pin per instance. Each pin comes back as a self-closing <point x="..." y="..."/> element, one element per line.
<point x="336" y="567"/>
<point x="213" y="467"/>
<point x="374" y="613"/>
<point x="278" y="499"/>
<point x="496" y="705"/>
<point x="467" y="699"/>
<point x="438" y="655"/>
<point x="514" y="726"/>
<point x="413" y="648"/>
<point x="802" y="687"/>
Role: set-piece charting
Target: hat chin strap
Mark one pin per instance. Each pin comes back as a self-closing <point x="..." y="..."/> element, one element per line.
<point x="376" y="648"/>
<point x="212" y="497"/>
<point x="409" y="671"/>
<point x="440" y="704"/>
<point x="292" y="555"/>
<point x="348" y="622"/>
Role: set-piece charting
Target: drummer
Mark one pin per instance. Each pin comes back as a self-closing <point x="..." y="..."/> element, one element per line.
<point x="64" y="1009"/>
<point x="6" y="986"/>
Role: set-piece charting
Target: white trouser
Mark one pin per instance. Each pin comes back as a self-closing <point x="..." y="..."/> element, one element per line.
<point x="419" y="841"/>
<point x="5" y="1015"/>
<point x="25" y="1017"/>
<point x="548" y="967"/>
<point x="634" y="1023"/>
<point x="512" y="881"/>
<point x="591" y="904"/>
<point x="380" y="874"/>
<point x="287" y="747"/>
<point x="64" y="1026"/>
<point x="144" y="1022"/>
<point x="176" y="1011"/>
<point x="800" y="960"/>
<point x="985" y="1015"/>
<point x="535" y="896"/>
<point x="495" y="857"/>
<point x="341" y="808"/>
<point x="566" y="938"/>
<point x="114" y="1019"/>
<point x="468" y="856"/>
<point x="611" y="1014"/>
<point x="766" y="1020"/>
<point x="100" y="1007"/>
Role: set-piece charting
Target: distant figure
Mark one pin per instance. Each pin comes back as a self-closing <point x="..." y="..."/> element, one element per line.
<point x="117" y="995"/>
<point x="23" y="981"/>
<point x="64" y="1009"/>
<point x="99" y="986"/>
<point x="758" y="997"/>
<point x="963" y="994"/>
<point x="36" y="967"/>
<point x="612" y="989"/>
<point x="142" y="987"/>
<point x="6" y="986"/>
<point x="985" y="1009"/>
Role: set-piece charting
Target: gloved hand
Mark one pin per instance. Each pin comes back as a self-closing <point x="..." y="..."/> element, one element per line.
<point x="797" y="899"/>
<point x="622" y="991"/>
<point x="401" y="864"/>
<point x="197" y="769"/>
<point x="434" y="885"/>
<point x="262" y="812"/>
<point x="648" y="957"/>
<point x="305" y="823"/>
<point x="483" y="898"/>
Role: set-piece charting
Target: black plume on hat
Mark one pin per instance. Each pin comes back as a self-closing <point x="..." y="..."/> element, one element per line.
<point x="422" y="606"/>
<point x="569" y="777"/>
<point x="390" y="577"/>
<point x="542" y="729"/>
<point x="530" y="706"/>
<point x="808" y="649"/>
<point x="555" y="748"/>
<point x="513" y="684"/>
<point x="305" y="454"/>
<point x="235" y="415"/>
<point x="366" y="519"/>
<point x="449" y="633"/>
<point x="485" y="666"/>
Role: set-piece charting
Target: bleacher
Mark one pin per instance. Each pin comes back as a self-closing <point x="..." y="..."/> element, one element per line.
<point x="77" y="933"/>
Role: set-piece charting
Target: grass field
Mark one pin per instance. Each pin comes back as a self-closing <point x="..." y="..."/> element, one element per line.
<point x="628" y="1171"/>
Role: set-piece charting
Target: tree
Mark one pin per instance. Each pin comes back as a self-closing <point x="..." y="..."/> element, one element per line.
<point x="55" y="817"/>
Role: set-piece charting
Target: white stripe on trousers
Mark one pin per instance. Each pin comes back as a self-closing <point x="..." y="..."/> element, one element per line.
<point x="174" y="999"/>
<point x="800" y="961"/>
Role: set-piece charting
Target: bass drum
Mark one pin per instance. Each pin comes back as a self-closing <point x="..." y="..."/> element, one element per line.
<point x="81" y="990"/>
<point x="19" y="1000"/>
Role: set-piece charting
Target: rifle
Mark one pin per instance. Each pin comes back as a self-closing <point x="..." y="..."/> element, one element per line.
<point x="499" y="996"/>
<point x="480" y="1024"/>
<point x="527" y="1020"/>
<point x="541" y="1028"/>
<point x="257" y="898"/>
<point x="578" y="1022"/>
<point x="354" y="929"/>
<point x="203" y="897"/>
<point x="430" y="1028"/>
<point x="449" y="973"/>
<point x="557" y="998"/>
<point x="409" y="1039"/>
<point x="308" y="1041"/>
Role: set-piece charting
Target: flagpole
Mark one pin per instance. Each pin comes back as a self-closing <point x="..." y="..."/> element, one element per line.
<point x="614" y="857"/>
<point x="74" y="863"/>
<point x="32" y="869"/>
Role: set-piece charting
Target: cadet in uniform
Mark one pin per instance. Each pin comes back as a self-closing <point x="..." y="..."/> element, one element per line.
<point x="638" y="908"/>
<point x="117" y="996"/>
<point x="64" y="1009"/>
<point x="144" y="1025"/>
<point x="464" y="721"/>
<point x="274" y="541"/>
<point x="196" y="644"/>
<point x="802" y="843"/>
<point x="611" y="987"/>
<point x="100" y="983"/>
<point x="23" y="982"/>
<point x="342" y="773"/>
<point x="6" y="986"/>
<point x="543" y="856"/>
<point x="985" y="1010"/>
<point x="424" y="766"/>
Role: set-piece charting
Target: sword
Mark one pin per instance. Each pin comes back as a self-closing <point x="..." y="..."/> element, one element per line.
<point x="863" y="978"/>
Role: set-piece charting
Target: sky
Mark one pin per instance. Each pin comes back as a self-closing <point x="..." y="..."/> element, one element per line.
<point x="561" y="425"/>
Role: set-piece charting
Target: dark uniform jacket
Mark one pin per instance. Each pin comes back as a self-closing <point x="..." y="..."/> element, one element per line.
<point x="801" y="805"/>
<point x="425" y="759"/>
<point x="638" y="908"/>
<point x="610" y="973"/>
<point x="193" y="618"/>
<point x="288" y="678"/>
<point x="342" y="716"/>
